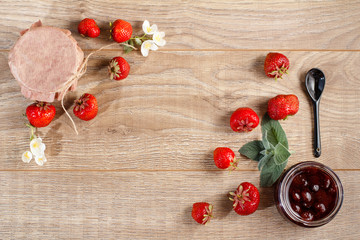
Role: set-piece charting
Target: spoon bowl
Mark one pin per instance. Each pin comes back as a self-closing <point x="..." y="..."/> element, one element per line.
<point x="315" y="83"/>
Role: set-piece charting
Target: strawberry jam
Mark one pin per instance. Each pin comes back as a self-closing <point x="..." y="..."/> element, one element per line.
<point x="309" y="194"/>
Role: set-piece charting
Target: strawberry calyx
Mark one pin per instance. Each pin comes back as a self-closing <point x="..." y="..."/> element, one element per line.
<point x="279" y="72"/>
<point x="42" y="105"/>
<point x="233" y="164"/>
<point x="114" y="69"/>
<point x="240" y="196"/>
<point x="81" y="103"/>
<point x="245" y="125"/>
<point x="208" y="214"/>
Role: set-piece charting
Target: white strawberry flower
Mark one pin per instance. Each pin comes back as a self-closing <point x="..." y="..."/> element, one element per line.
<point x="147" y="46"/>
<point x="26" y="156"/>
<point x="158" y="38"/>
<point x="149" y="30"/>
<point x="40" y="160"/>
<point x="37" y="147"/>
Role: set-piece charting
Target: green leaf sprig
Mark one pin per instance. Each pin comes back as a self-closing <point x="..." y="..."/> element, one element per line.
<point x="272" y="153"/>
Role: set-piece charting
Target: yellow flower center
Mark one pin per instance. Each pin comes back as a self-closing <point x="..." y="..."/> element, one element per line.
<point x="35" y="145"/>
<point x="27" y="155"/>
<point x="158" y="38"/>
<point x="147" y="45"/>
<point x="148" y="29"/>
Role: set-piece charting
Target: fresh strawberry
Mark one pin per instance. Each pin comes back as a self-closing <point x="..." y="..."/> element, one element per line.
<point x="276" y="64"/>
<point x="121" y="31"/>
<point x="244" y="120"/>
<point x="281" y="106"/>
<point x="40" y="114"/>
<point x="246" y="199"/>
<point x="86" y="107"/>
<point x="88" y="27"/>
<point x="225" y="158"/>
<point x="202" y="212"/>
<point x="118" y="68"/>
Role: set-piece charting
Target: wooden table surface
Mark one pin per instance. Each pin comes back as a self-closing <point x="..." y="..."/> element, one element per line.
<point x="136" y="169"/>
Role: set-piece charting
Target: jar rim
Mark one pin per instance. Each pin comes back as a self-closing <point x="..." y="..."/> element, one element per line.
<point x="283" y="194"/>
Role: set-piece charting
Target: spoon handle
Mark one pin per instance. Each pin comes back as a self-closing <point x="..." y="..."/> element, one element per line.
<point x="317" y="143"/>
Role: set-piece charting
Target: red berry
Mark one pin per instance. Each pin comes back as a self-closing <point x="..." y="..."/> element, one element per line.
<point x="246" y="199"/>
<point x="296" y="208"/>
<point x="89" y="28"/>
<point x="295" y="195"/>
<point x="224" y="158"/>
<point x="118" y="68"/>
<point x="276" y="64"/>
<point x="300" y="181"/>
<point x="320" y="207"/>
<point x="306" y="196"/>
<point x="40" y="114"/>
<point x="282" y="106"/>
<point x="86" y="107"/>
<point x="121" y="31"/>
<point x="307" y="216"/>
<point x="202" y="212"/>
<point x="326" y="182"/>
<point x="244" y="120"/>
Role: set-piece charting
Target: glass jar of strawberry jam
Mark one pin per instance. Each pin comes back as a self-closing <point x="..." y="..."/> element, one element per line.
<point x="309" y="194"/>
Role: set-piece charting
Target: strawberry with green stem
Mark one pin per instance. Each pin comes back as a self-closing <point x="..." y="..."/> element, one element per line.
<point x="224" y="158"/>
<point x="150" y="40"/>
<point x="244" y="120"/>
<point x="40" y="114"/>
<point x="86" y="107"/>
<point x="282" y="106"/>
<point x="202" y="212"/>
<point x="118" y="68"/>
<point x="245" y="199"/>
<point x="276" y="65"/>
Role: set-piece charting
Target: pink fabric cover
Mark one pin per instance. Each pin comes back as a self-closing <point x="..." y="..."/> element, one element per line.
<point x="43" y="59"/>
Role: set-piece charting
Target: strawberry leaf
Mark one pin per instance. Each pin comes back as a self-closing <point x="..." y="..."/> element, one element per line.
<point x="264" y="160"/>
<point x="281" y="154"/>
<point x="270" y="172"/>
<point x="252" y="150"/>
<point x="275" y="132"/>
<point x="272" y="160"/>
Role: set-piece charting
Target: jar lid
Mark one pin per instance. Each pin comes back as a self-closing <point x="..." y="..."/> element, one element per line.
<point x="43" y="60"/>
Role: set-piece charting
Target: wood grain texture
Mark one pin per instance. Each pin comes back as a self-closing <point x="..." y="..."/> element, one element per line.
<point x="174" y="109"/>
<point x="283" y="24"/>
<point x="136" y="169"/>
<point x="152" y="205"/>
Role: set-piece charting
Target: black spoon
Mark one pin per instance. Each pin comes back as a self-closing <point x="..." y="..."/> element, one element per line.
<point x="315" y="83"/>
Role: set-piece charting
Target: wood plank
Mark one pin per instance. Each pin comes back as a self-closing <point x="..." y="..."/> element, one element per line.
<point x="174" y="108"/>
<point x="151" y="205"/>
<point x="201" y="24"/>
